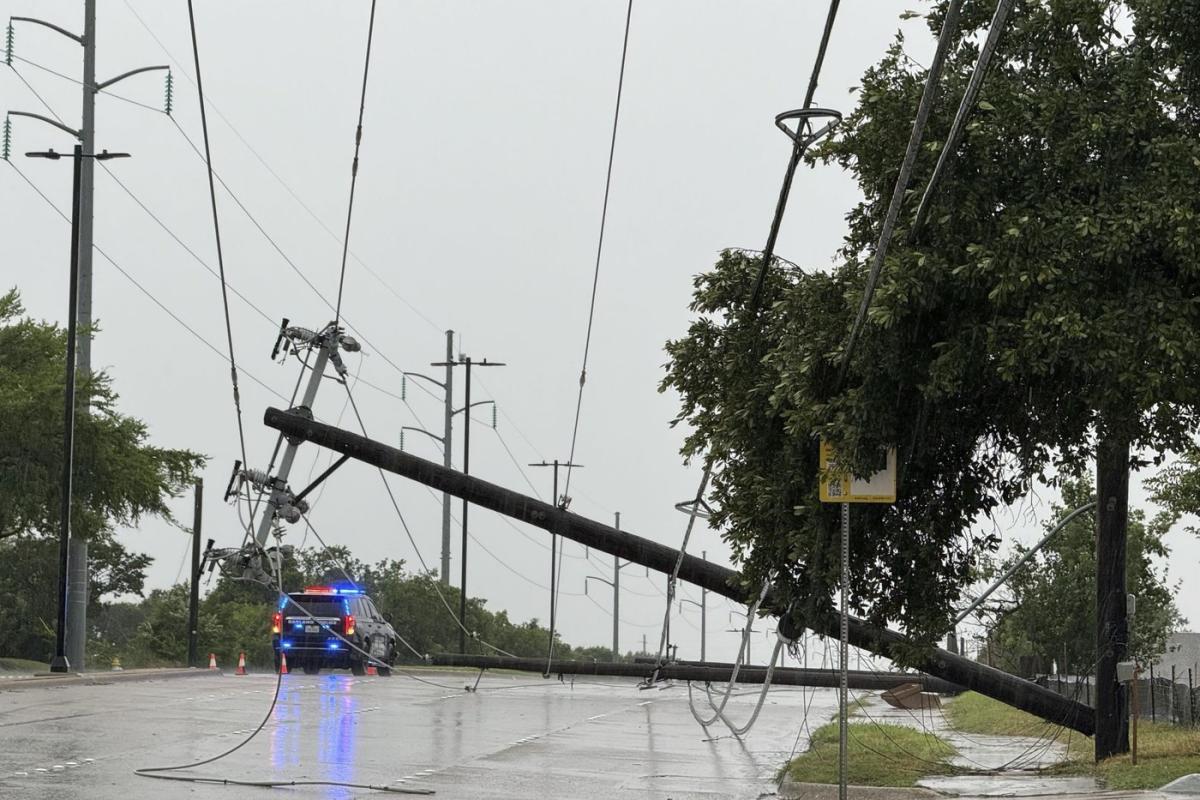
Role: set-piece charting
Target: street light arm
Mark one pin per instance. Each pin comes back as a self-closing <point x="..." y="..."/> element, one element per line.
<point x="422" y="430"/>
<point x="426" y="377"/>
<point x="50" y="25"/>
<point x="480" y="403"/>
<point x="101" y="86"/>
<point x="46" y="120"/>
<point x="595" y="578"/>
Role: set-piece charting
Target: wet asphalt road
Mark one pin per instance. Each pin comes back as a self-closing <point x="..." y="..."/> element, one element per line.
<point x="518" y="737"/>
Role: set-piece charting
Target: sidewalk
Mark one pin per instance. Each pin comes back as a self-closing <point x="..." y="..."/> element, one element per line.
<point x="47" y="679"/>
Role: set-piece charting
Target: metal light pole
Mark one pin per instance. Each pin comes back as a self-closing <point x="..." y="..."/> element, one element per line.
<point x="562" y="502"/>
<point x="60" y="662"/>
<point x="447" y="452"/>
<point x="86" y="135"/>
<point x="446" y="440"/>
<point x="449" y="364"/>
<point x="615" y="583"/>
<point x="703" y="606"/>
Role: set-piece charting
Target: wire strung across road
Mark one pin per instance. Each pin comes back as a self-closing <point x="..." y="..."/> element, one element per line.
<point x="362" y="106"/>
<point x="212" y="195"/>
<point x="587" y="340"/>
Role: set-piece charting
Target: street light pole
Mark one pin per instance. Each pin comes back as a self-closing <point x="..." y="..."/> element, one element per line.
<point x="60" y="662"/>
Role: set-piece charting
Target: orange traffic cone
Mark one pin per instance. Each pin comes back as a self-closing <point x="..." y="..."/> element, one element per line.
<point x="212" y="660"/>
<point x="283" y="664"/>
<point x="241" y="667"/>
<point x="371" y="669"/>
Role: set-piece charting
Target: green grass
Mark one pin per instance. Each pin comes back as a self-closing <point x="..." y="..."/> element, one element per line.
<point x="22" y="665"/>
<point x="879" y="755"/>
<point x="1165" y="752"/>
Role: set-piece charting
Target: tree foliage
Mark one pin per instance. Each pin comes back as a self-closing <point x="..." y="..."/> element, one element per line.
<point x="1055" y="590"/>
<point x="1050" y="303"/>
<point x="119" y="476"/>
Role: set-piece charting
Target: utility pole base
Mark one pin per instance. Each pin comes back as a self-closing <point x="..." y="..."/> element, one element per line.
<point x="60" y="664"/>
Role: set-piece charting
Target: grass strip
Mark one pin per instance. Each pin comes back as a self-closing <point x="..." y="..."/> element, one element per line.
<point x="1165" y="752"/>
<point x="878" y="755"/>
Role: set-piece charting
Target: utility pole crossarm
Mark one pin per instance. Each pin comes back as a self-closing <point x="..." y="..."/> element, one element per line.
<point x="994" y="683"/>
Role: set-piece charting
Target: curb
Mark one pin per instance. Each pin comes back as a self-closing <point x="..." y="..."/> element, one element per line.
<point x="46" y="680"/>
<point x="796" y="790"/>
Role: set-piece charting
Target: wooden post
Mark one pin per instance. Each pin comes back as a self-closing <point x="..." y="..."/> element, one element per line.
<point x="1112" y="621"/>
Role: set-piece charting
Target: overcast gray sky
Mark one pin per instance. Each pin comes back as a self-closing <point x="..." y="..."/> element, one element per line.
<point x="485" y="143"/>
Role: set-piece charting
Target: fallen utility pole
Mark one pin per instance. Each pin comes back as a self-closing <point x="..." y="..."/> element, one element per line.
<point x="968" y="674"/>
<point x="693" y="671"/>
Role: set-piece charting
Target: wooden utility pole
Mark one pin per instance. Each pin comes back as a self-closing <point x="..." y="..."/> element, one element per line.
<point x="1112" y="623"/>
<point x="968" y="674"/>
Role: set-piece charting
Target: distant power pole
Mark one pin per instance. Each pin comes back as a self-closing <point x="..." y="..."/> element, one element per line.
<point x="559" y="502"/>
<point x="449" y="363"/>
<point x="86" y="135"/>
<point x="615" y="583"/>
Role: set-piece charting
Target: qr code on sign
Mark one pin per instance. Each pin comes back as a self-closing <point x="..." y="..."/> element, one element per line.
<point x="835" y="488"/>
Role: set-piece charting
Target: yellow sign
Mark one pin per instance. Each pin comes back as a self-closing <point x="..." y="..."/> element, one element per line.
<point x="878" y="487"/>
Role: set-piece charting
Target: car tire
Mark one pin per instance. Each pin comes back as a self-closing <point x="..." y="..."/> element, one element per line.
<point x="312" y="667"/>
<point x="357" y="667"/>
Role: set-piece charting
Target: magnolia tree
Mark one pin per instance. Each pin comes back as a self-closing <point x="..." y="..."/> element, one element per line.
<point x="1043" y="323"/>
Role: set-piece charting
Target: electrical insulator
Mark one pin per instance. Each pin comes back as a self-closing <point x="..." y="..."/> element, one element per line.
<point x="402" y="441"/>
<point x="403" y="397"/>
<point x="8" y="46"/>
<point x="257" y="477"/>
<point x="493" y="416"/>
<point x="6" y="144"/>
<point x="169" y="100"/>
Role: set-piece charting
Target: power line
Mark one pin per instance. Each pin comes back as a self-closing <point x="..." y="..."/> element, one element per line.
<point x="212" y="194"/>
<point x="147" y="292"/>
<point x="362" y="106"/>
<point x="612" y="149"/>
<point x="279" y="179"/>
<point x="924" y="108"/>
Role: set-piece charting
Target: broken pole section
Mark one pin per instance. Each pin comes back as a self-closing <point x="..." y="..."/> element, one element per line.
<point x="956" y="669"/>
<point x="709" y="673"/>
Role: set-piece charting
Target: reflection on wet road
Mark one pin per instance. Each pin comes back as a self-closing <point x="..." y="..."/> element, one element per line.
<point x="518" y="737"/>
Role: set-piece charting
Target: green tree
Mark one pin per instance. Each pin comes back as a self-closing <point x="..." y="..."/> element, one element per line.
<point x="29" y="588"/>
<point x="1055" y="590"/>
<point x="1050" y="306"/>
<point x="119" y="475"/>
<point x="1044" y="318"/>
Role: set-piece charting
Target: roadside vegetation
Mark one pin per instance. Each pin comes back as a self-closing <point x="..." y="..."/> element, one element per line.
<point x="235" y="616"/>
<point x="879" y="755"/>
<point x="1165" y="752"/>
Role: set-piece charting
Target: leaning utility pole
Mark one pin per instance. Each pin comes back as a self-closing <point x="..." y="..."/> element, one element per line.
<point x="969" y="674"/>
<point x="76" y="621"/>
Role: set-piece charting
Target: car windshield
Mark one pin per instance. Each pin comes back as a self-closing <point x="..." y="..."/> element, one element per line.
<point x="318" y="606"/>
